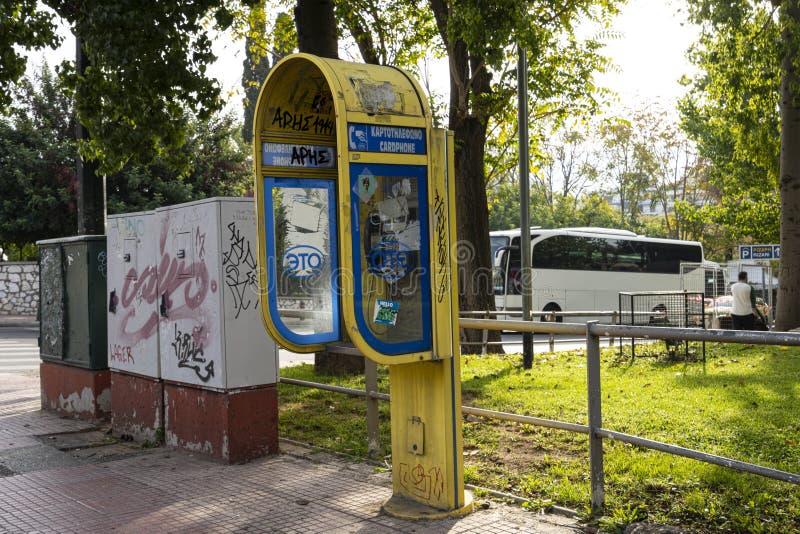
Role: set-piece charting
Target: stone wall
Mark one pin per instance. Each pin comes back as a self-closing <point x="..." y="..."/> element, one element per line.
<point x="19" y="288"/>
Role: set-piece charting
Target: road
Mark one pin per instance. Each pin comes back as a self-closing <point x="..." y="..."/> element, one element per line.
<point x="19" y="350"/>
<point x="512" y="343"/>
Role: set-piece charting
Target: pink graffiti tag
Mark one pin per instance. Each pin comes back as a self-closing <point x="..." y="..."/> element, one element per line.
<point x="121" y="353"/>
<point x="200" y="241"/>
<point x="165" y="280"/>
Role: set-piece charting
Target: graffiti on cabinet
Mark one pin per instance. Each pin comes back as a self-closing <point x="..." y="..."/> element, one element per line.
<point x="241" y="270"/>
<point x="189" y="352"/>
<point x="163" y="280"/>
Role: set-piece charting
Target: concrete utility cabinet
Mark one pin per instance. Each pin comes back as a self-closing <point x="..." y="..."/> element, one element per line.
<point x="219" y="366"/>
<point x="74" y="370"/>
<point x="137" y="393"/>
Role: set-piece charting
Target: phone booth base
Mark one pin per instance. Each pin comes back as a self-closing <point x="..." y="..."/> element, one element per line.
<point x="137" y="406"/>
<point x="230" y="426"/>
<point x="405" y="508"/>
<point x="427" y="468"/>
<point x="75" y="392"/>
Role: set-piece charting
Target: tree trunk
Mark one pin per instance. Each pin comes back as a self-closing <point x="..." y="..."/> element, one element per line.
<point x="788" y="312"/>
<point x="316" y="28"/>
<point x="472" y="213"/>
<point x="91" y="197"/>
<point x="316" y="34"/>
<point x="473" y="255"/>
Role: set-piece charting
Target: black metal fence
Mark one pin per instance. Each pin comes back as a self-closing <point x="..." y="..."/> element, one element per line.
<point x="682" y="309"/>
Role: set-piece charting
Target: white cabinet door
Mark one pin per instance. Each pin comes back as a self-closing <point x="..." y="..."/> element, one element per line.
<point x="190" y="325"/>
<point x="132" y="301"/>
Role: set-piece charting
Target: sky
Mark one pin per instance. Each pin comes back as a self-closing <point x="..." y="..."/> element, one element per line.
<point x="650" y="54"/>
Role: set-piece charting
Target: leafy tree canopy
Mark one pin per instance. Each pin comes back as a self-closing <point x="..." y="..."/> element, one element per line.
<point x="218" y="166"/>
<point x="22" y="26"/>
<point x="148" y="68"/>
<point x="37" y="172"/>
<point x="731" y="112"/>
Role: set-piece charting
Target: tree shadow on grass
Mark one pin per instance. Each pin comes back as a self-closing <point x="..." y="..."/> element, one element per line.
<point x="757" y="396"/>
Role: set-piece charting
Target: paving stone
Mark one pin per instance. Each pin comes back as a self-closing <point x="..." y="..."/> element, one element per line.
<point x="158" y="490"/>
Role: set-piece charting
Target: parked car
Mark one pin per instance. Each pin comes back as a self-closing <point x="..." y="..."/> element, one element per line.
<point x="719" y="309"/>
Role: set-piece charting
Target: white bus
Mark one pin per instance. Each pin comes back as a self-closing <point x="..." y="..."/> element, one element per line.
<point x="585" y="269"/>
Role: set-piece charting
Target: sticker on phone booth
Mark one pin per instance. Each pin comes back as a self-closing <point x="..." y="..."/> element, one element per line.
<point x="367" y="184"/>
<point x="386" y="312"/>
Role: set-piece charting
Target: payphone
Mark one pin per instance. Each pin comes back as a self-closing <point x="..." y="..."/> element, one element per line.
<point x="356" y="229"/>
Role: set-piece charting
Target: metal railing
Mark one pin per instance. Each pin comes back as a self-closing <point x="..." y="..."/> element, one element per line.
<point x="593" y="331"/>
<point x="548" y="316"/>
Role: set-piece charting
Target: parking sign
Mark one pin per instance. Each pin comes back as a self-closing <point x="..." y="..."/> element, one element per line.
<point x="759" y="252"/>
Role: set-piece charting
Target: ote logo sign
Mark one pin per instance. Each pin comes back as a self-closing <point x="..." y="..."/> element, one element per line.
<point x="303" y="261"/>
<point x="390" y="260"/>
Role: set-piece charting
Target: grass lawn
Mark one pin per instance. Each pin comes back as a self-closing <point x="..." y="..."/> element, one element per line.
<point x="743" y="403"/>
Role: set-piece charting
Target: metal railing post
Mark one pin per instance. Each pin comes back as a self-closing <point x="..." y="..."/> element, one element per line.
<point x="595" y="419"/>
<point x="552" y="318"/>
<point x="613" y="321"/>
<point x="485" y="334"/>
<point x="373" y="423"/>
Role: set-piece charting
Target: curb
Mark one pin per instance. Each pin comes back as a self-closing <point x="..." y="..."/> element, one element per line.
<point x="18" y="321"/>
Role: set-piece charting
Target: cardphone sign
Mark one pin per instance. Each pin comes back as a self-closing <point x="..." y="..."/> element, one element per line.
<point x="355" y="217"/>
<point x="376" y="138"/>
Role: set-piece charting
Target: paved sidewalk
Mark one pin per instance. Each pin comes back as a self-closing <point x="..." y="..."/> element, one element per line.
<point x="60" y="475"/>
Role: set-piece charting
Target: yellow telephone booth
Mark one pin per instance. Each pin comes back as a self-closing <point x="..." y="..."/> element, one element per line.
<point x="356" y="233"/>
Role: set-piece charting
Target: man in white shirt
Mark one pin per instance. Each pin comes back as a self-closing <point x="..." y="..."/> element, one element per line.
<point x="744" y="304"/>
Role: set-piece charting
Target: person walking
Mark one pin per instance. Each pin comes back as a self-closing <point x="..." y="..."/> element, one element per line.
<point x="744" y="304"/>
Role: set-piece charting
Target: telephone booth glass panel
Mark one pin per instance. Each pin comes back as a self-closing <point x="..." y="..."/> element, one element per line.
<point x="301" y="258"/>
<point x="391" y="256"/>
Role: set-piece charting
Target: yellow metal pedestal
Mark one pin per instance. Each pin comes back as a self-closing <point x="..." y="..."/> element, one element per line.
<point x="427" y="459"/>
<point x="404" y="508"/>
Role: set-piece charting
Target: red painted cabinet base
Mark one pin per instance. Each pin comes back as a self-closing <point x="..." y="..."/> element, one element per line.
<point x="231" y="426"/>
<point x="137" y="407"/>
<point x="75" y="392"/>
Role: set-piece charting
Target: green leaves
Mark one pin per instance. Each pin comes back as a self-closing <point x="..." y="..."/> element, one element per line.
<point x="731" y="112"/>
<point x="22" y="25"/>
<point x="399" y="33"/>
<point x="148" y="63"/>
<point x="37" y="174"/>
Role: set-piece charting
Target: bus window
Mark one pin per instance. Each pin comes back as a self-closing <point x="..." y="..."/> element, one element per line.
<point x="628" y="256"/>
<point x="507" y="276"/>
<point x="667" y="257"/>
<point x="571" y="253"/>
<point x="512" y="266"/>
